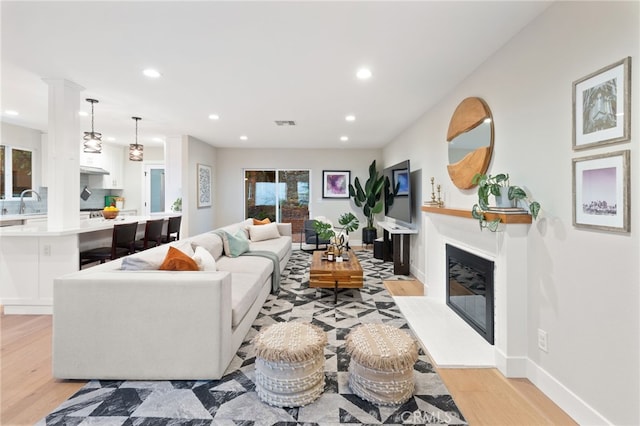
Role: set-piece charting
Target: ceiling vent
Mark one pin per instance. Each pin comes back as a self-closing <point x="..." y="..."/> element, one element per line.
<point x="285" y="123"/>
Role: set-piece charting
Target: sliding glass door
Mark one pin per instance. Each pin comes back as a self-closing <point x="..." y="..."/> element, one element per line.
<point x="280" y="195"/>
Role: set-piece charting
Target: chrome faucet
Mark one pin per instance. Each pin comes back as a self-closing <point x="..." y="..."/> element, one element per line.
<point x="22" y="206"/>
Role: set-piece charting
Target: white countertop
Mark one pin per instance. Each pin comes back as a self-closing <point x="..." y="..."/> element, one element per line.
<point x="88" y="225"/>
<point x="12" y="217"/>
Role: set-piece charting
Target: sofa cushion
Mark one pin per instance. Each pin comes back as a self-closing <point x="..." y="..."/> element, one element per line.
<point x="184" y="246"/>
<point x="235" y="227"/>
<point x="255" y="265"/>
<point x="245" y="288"/>
<point x="263" y="232"/>
<point x="279" y="246"/>
<point x="264" y="221"/>
<point x="178" y="261"/>
<point x="210" y="241"/>
<point x="204" y="260"/>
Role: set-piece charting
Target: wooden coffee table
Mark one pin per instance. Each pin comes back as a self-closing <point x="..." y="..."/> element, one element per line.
<point x="345" y="274"/>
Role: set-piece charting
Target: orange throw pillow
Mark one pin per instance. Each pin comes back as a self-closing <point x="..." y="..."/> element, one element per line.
<point x="175" y="260"/>
<point x="261" y="222"/>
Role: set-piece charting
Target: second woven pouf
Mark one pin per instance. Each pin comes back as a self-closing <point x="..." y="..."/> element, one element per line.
<point x="381" y="366"/>
<point x="290" y="363"/>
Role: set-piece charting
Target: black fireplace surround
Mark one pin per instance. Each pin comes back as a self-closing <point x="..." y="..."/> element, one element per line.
<point x="470" y="289"/>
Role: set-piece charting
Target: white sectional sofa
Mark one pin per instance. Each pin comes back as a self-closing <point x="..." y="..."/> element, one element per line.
<point x="110" y="323"/>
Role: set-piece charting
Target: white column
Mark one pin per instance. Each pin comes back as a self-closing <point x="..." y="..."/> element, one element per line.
<point x="173" y="171"/>
<point x="63" y="154"/>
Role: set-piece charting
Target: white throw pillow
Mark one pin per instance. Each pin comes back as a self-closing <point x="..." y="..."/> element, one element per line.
<point x="210" y="241"/>
<point x="263" y="232"/>
<point x="204" y="260"/>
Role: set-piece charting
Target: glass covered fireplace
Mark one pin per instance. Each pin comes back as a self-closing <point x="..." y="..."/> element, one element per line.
<point x="470" y="289"/>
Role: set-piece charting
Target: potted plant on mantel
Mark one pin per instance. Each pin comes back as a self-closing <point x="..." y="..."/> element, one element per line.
<point x="369" y="199"/>
<point x="507" y="198"/>
<point x="327" y="232"/>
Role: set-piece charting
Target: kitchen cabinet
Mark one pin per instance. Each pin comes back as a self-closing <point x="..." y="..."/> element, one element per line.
<point x="94" y="160"/>
<point x="111" y="160"/>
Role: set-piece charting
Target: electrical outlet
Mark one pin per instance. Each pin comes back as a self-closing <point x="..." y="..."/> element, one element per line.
<point x="46" y="250"/>
<point x="543" y="343"/>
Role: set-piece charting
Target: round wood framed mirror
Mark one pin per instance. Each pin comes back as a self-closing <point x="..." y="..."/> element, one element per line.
<point x="470" y="138"/>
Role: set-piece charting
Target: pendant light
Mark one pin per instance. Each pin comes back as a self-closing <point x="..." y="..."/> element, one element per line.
<point x="135" y="149"/>
<point x="92" y="140"/>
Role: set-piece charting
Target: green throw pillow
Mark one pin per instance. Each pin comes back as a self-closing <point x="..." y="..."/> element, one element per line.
<point x="237" y="243"/>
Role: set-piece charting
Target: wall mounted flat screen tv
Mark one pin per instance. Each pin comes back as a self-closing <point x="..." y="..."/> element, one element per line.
<point x="398" y="207"/>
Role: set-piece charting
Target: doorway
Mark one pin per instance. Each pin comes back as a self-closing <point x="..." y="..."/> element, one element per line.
<point x="154" y="189"/>
<point x="280" y="195"/>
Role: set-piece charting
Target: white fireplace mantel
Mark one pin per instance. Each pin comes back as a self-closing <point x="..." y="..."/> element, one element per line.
<point x="507" y="248"/>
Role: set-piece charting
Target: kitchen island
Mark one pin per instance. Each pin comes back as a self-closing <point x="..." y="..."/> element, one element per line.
<point x="31" y="256"/>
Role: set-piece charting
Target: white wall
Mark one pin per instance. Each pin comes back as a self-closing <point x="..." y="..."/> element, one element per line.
<point x="583" y="285"/>
<point x="201" y="219"/>
<point x="232" y="162"/>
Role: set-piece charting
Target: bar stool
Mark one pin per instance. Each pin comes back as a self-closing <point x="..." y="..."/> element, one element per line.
<point x="152" y="235"/>
<point x="172" y="228"/>
<point x="122" y="244"/>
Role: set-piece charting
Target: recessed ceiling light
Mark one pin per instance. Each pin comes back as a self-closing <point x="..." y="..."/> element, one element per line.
<point x="111" y="139"/>
<point x="363" y="73"/>
<point x="350" y="118"/>
<point x="157" y="139"/>
<point x="214" y="117"/>
<point x="344" y="138"/>
<point x="243" y="138"/>
<point x="151" y="73"/>
<point x="83" y="113"/>
<point x="11" y="112"/>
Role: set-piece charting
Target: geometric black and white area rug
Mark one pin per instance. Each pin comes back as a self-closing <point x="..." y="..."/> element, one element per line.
<point x="232" y="400"/>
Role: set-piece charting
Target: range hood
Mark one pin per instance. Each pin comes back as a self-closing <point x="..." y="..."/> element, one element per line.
<point x="89" y="170"/>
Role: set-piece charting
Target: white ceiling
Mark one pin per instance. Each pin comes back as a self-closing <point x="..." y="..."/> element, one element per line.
<point x="251" y="63"/>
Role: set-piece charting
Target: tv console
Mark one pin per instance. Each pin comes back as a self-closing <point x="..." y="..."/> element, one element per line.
<point x="396" y="246"/>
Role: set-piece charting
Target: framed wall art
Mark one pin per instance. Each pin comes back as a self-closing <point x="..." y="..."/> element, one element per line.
<point x="335" y="183"/>
<point x="602" y="106"/>
<point x="204" y="186"/>
<point x="601" y="191"/>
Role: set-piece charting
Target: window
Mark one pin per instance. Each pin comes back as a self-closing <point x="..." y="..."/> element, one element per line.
<point x="16" y="171"/>
<point x="280" y="195"/>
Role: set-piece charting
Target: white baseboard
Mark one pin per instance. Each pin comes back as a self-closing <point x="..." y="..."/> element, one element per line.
<point x="511" y="367"/>
<point x="573" y="405"/>
<point x="27" y="310"/>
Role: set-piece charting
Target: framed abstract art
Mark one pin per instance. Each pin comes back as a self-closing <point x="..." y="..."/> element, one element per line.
<point x="335" y="183"/>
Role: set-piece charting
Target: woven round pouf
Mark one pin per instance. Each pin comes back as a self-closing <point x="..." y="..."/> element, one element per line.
<point x="290" y="363"/>
<point x="381" y="366"/>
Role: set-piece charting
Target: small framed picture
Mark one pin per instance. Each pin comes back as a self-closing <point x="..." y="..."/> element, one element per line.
<point x="601" y="191"/>
<point x="335" y="183"/>
<point x="204" y="186"/>
<point x="602" y="106"/>
<point x="401" y="180"/>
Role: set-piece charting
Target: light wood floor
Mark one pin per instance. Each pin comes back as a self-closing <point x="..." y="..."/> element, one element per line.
<point x="28" y="392"/>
